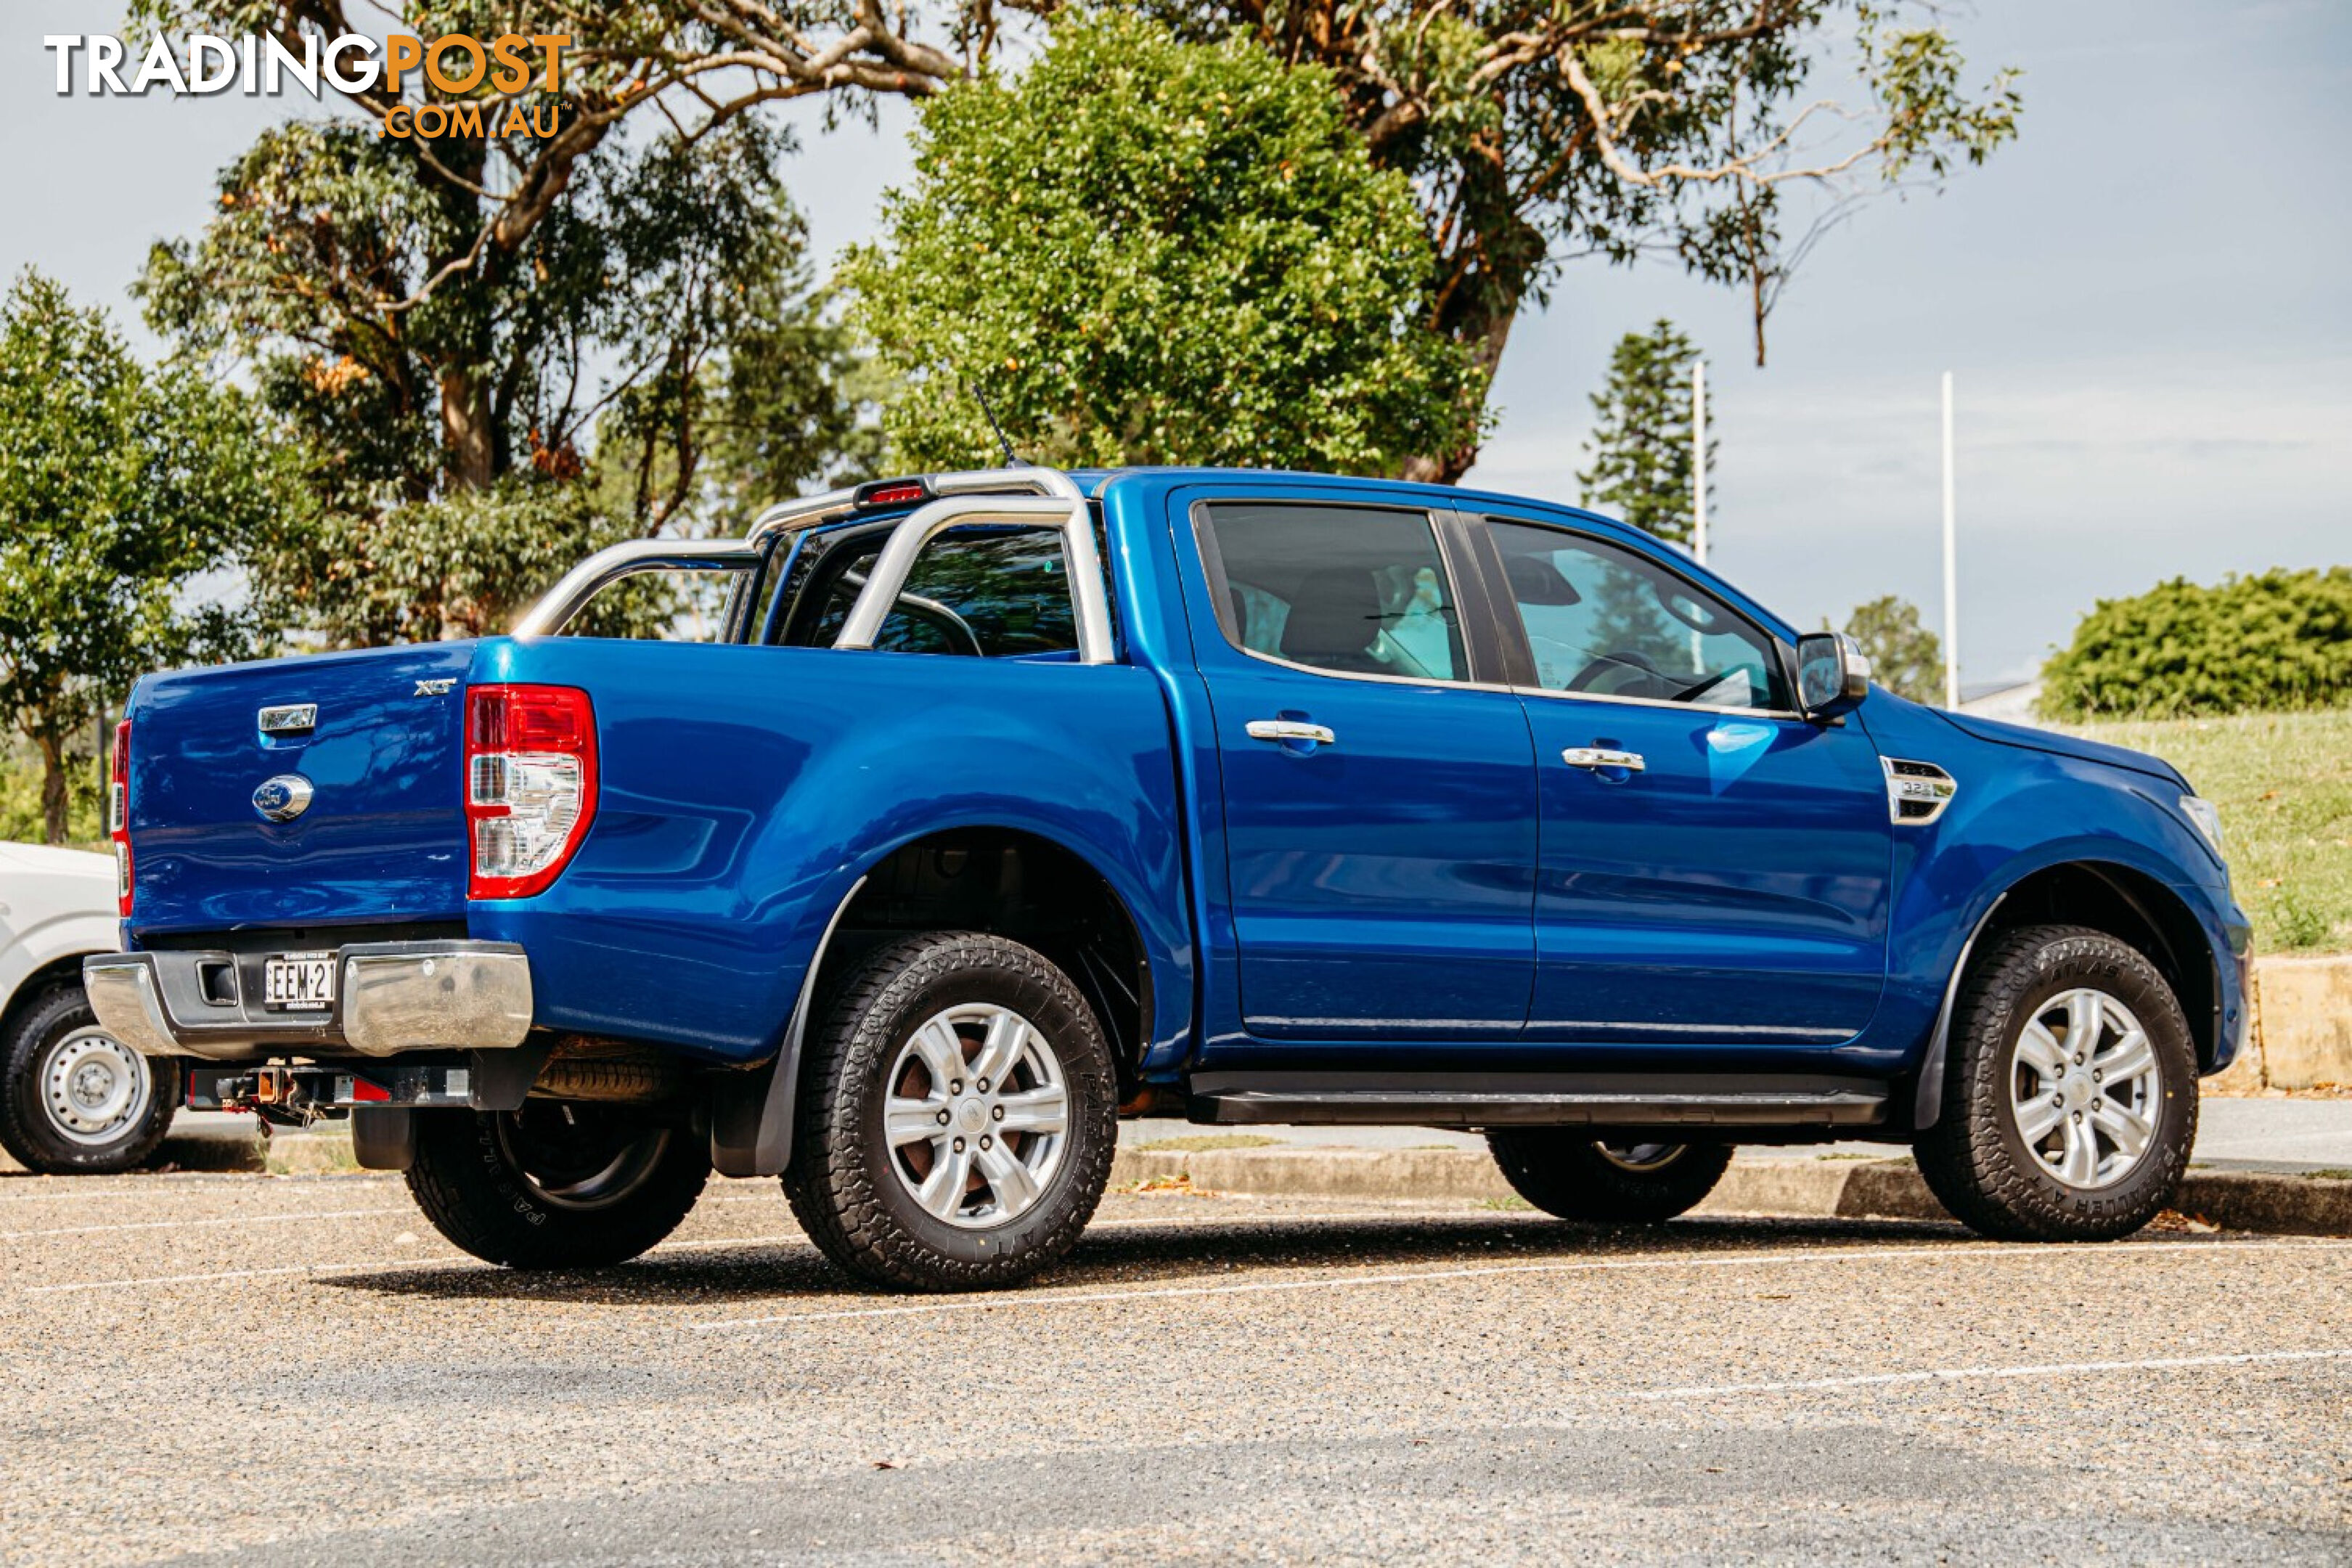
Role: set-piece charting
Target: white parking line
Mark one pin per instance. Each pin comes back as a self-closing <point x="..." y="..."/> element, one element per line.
<point x="383" y="1265"/>
<point x="1968" y="1373"/>
<point x="1421" y="1275"/>
<point x="193" y="1224"/>
<point x="375" y="1265"/>
<point x="151" y="1280"/>
<point x="146" y="1187"/>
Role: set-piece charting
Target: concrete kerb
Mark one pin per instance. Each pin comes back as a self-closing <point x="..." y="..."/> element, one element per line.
<point x="2282" y="1204"/>
<point x="1793" y="1188"/>
<point x="2303" y="1023"/>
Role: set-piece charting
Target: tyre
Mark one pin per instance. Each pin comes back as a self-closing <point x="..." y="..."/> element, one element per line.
<point x="1564" y="1171"/>
<point x="74" y="1099"/>
<point x="2070" y="1091"/>
<point x="557" y="1184"/>
<point x="956" y="1116"/>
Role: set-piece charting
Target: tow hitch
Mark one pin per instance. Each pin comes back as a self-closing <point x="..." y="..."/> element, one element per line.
<point x="298" y="1096"/>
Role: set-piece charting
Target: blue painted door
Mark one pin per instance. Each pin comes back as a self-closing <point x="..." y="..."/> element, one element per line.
<point x="1713" y="869"/>
<point x="1380" y="812"/>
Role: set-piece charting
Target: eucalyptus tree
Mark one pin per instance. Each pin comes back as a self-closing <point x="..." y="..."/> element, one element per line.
<point x="121" y="487"/>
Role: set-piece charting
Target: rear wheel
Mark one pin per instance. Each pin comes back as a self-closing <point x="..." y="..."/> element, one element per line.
<point x="73" y="1099"/>
<point x="555" y="1184"/>
<point x="1617" y="1181"/>
<point x="957" y="1118"/>
<point x="2070" y="1091"/>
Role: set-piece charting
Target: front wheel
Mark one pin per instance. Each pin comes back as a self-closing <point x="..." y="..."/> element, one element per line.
<point x="1566" y="1171"/>
<point x="957" y="1117"/>
<point x="73" y="1099"/>
<point x="2070" y="1091"/>
<point x="556" y="1184"/>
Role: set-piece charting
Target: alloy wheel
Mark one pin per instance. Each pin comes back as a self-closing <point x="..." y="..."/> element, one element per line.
<point x="1640" y="1158"/>
<point x="977" y="1115"/>
<point x="2084" y="1088"/>
<point x="579" y="1156"/>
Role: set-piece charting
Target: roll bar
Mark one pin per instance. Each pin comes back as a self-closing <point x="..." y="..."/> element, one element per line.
<point x="614" y="562"/>
<point x="1067" y="513"/>
<point x="1089" y="593"/>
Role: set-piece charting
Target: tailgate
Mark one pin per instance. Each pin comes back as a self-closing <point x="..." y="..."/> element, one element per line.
<point x="383" y="836"/>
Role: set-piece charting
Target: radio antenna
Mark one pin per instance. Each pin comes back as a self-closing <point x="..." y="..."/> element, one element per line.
<point x="1003" y="440"/>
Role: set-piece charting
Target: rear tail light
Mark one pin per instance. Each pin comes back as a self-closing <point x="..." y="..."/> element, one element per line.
<point x="530" y="784"/>
<point x="118" y="814"/>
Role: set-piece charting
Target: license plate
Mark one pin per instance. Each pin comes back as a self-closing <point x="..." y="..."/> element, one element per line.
<point x="299" y="982"/>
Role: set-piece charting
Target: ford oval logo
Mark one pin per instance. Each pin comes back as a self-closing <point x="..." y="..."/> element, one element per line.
<point x="283" y="798"/>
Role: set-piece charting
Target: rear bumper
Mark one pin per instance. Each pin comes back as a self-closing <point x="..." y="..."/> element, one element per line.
<point x="391" y="997"/>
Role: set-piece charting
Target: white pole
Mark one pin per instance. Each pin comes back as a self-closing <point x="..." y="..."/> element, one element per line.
<point x="1698" y="460"/>
<point x="1951" y="583"/>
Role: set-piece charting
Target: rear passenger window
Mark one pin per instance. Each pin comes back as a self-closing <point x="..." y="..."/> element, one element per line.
<point x="1353" y="590"/>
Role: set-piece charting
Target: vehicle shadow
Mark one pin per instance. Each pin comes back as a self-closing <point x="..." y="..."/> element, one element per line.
<point x="1183" y="1253"/>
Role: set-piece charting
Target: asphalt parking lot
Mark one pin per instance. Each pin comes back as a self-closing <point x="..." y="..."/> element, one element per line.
<point x="298" y="1368"/>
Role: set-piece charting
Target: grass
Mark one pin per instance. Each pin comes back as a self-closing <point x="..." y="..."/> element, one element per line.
<point x="2283" y="784"/>
<point x="1507" y="1205"/>
<point x="1205" y="1141"/>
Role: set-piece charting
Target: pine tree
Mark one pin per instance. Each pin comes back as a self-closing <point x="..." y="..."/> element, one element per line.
<point x="1640" y="441"/>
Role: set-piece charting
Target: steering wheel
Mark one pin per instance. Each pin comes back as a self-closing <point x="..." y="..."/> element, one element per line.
<point x="1615" y="662"/>
<point x="949" y="625"/>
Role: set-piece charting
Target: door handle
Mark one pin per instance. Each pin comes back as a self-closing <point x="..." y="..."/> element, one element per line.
<point x="1291" y="730"/>
<point x="1596" y="757"/>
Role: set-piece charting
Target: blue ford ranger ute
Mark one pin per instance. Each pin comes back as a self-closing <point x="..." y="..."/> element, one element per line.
<point x="1005" y="804"/>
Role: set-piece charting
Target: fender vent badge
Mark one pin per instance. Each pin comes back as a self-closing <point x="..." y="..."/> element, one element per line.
<point x="1917" y="792"/>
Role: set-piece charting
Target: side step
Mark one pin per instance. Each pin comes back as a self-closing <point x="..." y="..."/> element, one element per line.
<point x="1536" y="1099"/>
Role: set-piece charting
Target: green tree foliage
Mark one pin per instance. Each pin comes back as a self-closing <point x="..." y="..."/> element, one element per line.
<point x="1905" y="657"/>
<point x="118" y="486"/>
<point x="1533" y="132"/>
<point x="1537" y="132"/>
<point x="467" y="334"/>
<point x="1640" y="440"/>
<point x="1148" y="252"/>
<point x="2279" y="640"/>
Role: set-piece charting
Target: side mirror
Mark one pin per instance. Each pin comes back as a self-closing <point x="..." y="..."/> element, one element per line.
<point x="1832" y="674"/>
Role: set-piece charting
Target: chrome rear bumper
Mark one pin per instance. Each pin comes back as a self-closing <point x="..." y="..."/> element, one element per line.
<point x="391" y="997"/>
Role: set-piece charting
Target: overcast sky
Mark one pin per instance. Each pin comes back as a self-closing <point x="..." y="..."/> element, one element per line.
<point x="2144" y="301"/>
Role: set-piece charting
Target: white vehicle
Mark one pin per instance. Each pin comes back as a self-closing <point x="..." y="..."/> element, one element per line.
<point x="72" y="1097"/>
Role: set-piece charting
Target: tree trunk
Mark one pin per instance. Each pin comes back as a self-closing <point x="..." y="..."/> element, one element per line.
<point x="1486" y="330"/>
<point x="1487" y="275"/>
<point x="54" y="790"/>
<point x="468" y="449"/>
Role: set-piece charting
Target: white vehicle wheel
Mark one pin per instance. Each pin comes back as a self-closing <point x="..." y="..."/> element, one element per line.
<point x="74" y="1099"/>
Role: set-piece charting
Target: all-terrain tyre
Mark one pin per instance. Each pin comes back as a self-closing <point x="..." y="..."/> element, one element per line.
<point x="74" y="1100"/>
<point x="556" y="1184"/>
<point x="957" y="1116"/>
<point x="1564" y="1171"/>
<point x="2070" y="1091"/>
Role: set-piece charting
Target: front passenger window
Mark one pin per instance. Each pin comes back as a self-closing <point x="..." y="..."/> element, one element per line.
<point x="1610" y="621"/>
<point x="1353" y="590"/>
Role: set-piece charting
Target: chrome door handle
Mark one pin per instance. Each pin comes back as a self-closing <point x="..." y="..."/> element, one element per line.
<point x="1291" y="730"/>
<point x="1595" y="757"/>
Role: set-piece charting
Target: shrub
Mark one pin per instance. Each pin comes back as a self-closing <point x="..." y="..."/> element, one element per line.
<point x="2279" y="640"/>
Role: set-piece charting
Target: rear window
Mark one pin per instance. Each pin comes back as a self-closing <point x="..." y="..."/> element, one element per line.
<point x="994" y="591"/>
